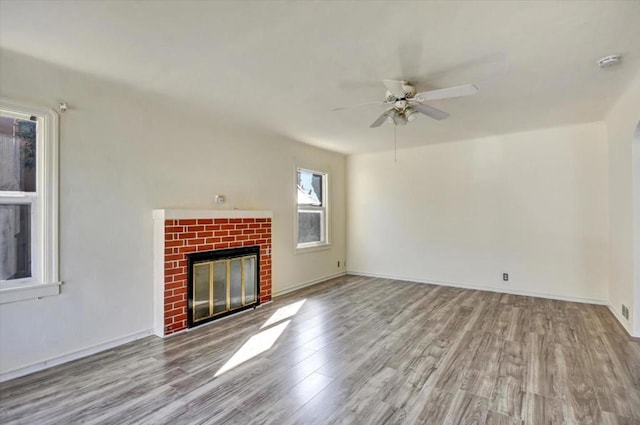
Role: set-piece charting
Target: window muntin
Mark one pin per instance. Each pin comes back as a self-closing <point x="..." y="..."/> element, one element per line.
<point x="28" y="202"/>
<point x="311" y="214"/>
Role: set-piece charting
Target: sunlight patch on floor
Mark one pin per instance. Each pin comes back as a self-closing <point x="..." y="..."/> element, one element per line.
<point x="283" y="313"/>
<point x="264" y="340"/>
<point x="257" y="344"/>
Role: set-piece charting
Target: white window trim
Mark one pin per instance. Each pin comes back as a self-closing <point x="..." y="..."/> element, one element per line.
<point x="313" y="246"/>
<point x="45" y="251"/>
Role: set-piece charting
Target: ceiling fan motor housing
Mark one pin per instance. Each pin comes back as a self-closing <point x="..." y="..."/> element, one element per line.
<point x="408" y="89"/>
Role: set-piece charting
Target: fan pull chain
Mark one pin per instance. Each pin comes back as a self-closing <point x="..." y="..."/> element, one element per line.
<point x="395" y="144"/>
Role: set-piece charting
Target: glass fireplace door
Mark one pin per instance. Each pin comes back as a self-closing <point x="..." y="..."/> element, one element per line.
<point x="223" y="285"/>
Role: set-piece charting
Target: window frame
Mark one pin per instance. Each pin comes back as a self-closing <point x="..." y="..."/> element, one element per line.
<point x="324" y="210"/>
<point x="44" y="280"/>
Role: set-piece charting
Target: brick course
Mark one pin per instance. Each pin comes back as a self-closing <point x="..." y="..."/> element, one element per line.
<point x="184" y="236"/>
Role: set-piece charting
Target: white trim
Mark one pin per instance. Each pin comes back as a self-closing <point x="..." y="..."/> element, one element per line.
<point x="326" y="227"/>
<point x="45" y="236"/>
<point x="305" y="247"/>
<point x="625" y="324"/>
<point x="28" y="291"/>
<point x="487" y="288"/>
<point x="158" y="276"/>
<point x="312" y="248"/>
<point x="55" y="361"/>
<point x="178" y="214"/>
<point x="306" y="284"/>
<point x="19" y="197"/>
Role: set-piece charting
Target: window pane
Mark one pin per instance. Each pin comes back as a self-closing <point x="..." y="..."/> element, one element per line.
<point x="15" y="241"/>
<point x="17" y="154"/>
<point x="309" y="226"/>
<point x="309" y="188"/>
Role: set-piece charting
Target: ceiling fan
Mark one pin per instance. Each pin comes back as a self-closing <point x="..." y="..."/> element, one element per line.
<point x="406" y="103"/>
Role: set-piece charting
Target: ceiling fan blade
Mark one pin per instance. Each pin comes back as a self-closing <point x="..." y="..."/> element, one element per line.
<point x="381" y="119"/>
<point x="340" y="108"/>
<point x="458" y="91"/>
<point x="431" y="111"/>
<point x="395" y="87"/>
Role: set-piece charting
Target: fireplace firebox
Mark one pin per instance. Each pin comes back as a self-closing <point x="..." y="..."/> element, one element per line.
<point x="222" y="282"/>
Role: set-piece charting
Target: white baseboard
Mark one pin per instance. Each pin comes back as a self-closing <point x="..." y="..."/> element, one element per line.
<point x="487" y="288"/>
<point x="26" y="370"/>
<point x="625" y="324"/>
<point x="305" y="284"/>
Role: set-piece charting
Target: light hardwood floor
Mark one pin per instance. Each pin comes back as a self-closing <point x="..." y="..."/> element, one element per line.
<point x="360" y="351"/>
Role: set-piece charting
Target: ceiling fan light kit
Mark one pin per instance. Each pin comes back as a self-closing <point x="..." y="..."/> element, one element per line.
<point x="410" y="113"/>
<point x="399" y="118"/>
<point x="405" y="103"/>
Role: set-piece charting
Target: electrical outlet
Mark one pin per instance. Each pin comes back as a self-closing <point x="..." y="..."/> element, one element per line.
<point x="505" y="277"/>
<point x="625" y="311"/>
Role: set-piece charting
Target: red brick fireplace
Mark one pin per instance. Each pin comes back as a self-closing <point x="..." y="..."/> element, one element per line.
<point x="181" y="232"/>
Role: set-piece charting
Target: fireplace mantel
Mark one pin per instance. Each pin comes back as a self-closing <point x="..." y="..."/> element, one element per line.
<point x="178" y="232"/>
<point x="175" y="214"/>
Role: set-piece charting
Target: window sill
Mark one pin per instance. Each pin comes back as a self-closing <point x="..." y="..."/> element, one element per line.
<point x="312" y="248"/>
<point x="11" y="294"/>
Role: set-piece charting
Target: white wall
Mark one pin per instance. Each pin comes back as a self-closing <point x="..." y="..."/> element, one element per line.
<point x="123" y="153"/>
<point x="532" y="204"/>
<point x="621" y="124"/>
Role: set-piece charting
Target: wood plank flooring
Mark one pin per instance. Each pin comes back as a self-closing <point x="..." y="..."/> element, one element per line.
<point x="358" y="351"/>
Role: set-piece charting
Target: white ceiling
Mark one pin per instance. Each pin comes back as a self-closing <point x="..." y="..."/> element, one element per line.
<point x="282" y="66"/>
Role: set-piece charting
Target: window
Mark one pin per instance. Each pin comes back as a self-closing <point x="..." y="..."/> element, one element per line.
<point x="312" y="222"/>
<point x="28" y="202"/>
